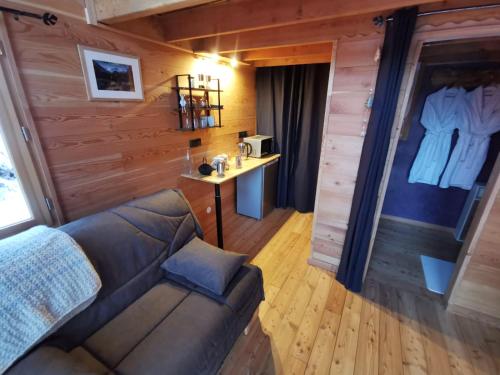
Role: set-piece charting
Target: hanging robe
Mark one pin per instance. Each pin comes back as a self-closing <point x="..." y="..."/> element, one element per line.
<point x="439" y="118"/>
<point x="479" y="119"/>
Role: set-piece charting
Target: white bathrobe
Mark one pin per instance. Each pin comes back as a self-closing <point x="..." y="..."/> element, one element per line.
<point x="479" y="119"/>
<point x="439" y="118"/>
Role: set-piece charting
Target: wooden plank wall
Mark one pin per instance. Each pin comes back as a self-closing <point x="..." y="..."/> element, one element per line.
<point x="476" y="292"/>
<point x="101" y="154"/>
<point x="353" y="78"/>
<point x="479" y="289"/>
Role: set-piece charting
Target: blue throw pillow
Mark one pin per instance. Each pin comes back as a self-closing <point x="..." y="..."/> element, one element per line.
<point x="205" y="265"/>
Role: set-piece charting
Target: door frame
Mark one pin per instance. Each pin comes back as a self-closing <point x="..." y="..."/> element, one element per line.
<point x="476" y="228"/>
<point x="430" y="34"/>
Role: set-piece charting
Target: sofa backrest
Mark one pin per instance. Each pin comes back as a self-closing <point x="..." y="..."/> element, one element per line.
<point x="127" y="245"/>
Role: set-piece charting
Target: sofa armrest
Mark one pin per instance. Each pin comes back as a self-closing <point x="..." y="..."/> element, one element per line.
<point x="246" y="283"/>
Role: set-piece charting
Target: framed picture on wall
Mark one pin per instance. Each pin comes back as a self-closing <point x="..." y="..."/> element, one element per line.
<point x="111" y="75"/>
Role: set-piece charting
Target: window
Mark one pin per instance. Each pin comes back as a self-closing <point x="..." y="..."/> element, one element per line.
<point x="13" y="203"/>
<point x="22" y="203"/>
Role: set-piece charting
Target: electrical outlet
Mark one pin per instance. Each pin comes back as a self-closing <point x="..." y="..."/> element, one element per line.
<point x="243" y="134"/>
<point x="196" y="142"/>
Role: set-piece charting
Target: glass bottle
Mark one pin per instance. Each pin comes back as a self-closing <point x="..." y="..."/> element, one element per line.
<point x="187" y="120"/>
<point x="188" y="162"/>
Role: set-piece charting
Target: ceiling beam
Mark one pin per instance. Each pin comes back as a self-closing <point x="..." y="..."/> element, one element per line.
<point x="301" y="60"/>
<point x="113" y="11"/>
<point x="292" y="55"/>
<point x="478" y="50"/>
<point x="301" y="34"/>
<point x="147" y="27"/>
<point x="221" y="58"/>
<point x="320" y="49"/>
<point x="247" y="15"/>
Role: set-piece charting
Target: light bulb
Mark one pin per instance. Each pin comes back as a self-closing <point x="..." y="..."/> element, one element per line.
<point x="234" y="62"/>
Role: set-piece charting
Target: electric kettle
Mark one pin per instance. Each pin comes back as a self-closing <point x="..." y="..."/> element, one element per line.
<point x="245" y="149"/>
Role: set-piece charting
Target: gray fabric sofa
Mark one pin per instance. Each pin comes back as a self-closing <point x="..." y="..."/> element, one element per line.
<point x="142" y="322"/>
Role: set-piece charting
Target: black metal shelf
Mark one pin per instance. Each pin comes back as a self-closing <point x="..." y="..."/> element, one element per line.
<point x="196" y="89"/>
<point x="210" y="108"/>
<point x="189" y="111"/>
<point x="206" y="128"/>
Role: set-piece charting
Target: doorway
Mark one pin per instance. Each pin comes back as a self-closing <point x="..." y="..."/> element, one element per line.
<point x="424" y="221"/>
<point x="291" y="103"/>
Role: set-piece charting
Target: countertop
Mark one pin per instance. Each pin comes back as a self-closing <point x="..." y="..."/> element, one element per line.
<point x="248" y="165"/>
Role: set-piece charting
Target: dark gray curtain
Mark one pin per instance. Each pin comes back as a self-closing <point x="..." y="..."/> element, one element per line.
<point x="291" y="107"/>
<point x="397" y="41"/>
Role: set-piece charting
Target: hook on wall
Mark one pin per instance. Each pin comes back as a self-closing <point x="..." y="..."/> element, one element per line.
<point x="47" y="18"/>
<point x="378" y="21"/>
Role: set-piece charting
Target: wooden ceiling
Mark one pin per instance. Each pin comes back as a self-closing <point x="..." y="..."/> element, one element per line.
<point x="462" y="51"/>
<point x="261" y="33"/>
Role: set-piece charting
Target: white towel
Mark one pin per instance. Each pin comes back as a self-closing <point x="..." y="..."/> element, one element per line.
<point x="45" y="280"/>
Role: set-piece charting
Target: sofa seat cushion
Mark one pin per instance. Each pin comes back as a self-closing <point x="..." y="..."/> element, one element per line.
<point x="119" y="336"/>
<point x="193" y="339"/>
<point x="47" y="360"/>
<point x="173" y="329"/>
<point x="196" y="337"/>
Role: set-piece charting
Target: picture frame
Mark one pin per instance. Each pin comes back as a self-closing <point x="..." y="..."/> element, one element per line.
<point x="111" y="76"/>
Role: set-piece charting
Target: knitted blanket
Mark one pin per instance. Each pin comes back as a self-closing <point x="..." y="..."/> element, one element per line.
<point x="45" y="280"/>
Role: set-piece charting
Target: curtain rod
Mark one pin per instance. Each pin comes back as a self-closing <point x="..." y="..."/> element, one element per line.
<point x="47" y="18"/>
<point x="379" y="20"/>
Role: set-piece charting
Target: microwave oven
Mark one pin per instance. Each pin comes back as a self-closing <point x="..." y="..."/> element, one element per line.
<point x="261" y="145"/>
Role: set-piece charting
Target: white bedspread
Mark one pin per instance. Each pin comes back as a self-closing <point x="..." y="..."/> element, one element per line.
<point x="45" y="280"/>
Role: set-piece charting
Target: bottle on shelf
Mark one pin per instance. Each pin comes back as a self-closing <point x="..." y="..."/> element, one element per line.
<point x="186" y="120"/>
<point x="188" y="162"/>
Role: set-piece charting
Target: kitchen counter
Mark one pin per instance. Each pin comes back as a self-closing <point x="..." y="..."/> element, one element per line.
<point x="248" y="165"/>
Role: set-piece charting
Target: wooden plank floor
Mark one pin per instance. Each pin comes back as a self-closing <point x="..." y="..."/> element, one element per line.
<point x="309" y="324"/>
<point x="396" y="254"/>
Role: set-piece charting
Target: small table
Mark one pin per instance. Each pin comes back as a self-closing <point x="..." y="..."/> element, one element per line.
<point x="248" y="165"/>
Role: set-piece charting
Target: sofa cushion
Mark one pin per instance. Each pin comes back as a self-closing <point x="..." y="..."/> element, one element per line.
<point x="193" y="339"/>
<point x="246" y="283"/>
<point x="47" y="360"/>
<point x="119" y="336"/>
<point x="205" y="265"/>
<point x="165" y="216"/>
<point x="126" y="245"/>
